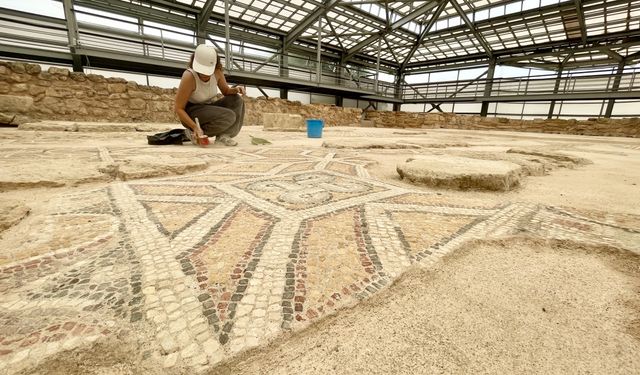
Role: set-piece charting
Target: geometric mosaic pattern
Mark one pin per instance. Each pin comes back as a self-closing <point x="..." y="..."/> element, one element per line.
<point x="217" y="262"/>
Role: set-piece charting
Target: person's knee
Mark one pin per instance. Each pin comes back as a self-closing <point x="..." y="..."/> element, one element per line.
<point x="230" y="118"/>
<point x="235" y="99"/>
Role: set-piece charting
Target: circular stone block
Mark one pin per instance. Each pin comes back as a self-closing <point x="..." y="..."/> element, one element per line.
<point x="461" y="173"/>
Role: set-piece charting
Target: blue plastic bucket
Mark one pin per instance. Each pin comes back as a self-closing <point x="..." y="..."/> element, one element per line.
<point x="314" y="128"/>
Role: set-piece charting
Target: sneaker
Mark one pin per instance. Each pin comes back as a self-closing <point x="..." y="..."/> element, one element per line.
<point x="191" y="136"/>
<point x="226" y="140"/>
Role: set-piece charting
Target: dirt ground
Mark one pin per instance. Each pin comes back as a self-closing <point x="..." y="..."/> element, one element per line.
<point x="513" y="306"/>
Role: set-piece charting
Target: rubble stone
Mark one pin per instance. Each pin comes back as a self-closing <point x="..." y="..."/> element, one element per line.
<point x="282" y="122"/>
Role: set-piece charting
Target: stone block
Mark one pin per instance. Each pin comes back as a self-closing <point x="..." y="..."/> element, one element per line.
<point x="105" y="127"/>
<point x="461" y="173"/>
<point x="15" y="104"/>
<point x="117" y="88"/>
<point x="33" y="68"/>
<point x="140" y="94"/>
<point x="77" y="106"/>
<point x="77" y="76"/>
<point x="36" y="90"/>
<point x="58" y="71"/>
<point x="137" y="104"/>
<point x="6" y="119"/>
<point x="19" y="87"/>
<point x="367" y="123"/>
<point x="96" y="78"/>
<point x="17" y="67"/>
<point x="19" y="77"/>
<point x="283" y="122"/>
<point x="163" y="106"/>
<point x="66" y="126"/>
<point x="116" y="80"/>
<point x="59" y="92"/>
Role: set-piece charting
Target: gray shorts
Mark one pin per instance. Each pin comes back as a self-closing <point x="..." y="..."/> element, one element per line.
<point x="224" y="116"/>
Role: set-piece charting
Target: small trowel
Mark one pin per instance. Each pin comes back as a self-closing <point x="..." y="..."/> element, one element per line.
<point x="259" y="141"/>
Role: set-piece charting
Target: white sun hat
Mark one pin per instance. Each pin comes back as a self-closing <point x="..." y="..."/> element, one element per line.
<point x="204" y="60"/>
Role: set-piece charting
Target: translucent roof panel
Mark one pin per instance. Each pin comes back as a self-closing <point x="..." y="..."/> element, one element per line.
<point x="411" y="33"/>
<point x="272" y="14"/>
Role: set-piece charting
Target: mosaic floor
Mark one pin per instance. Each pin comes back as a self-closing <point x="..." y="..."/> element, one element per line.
<point x="204" y="266"/>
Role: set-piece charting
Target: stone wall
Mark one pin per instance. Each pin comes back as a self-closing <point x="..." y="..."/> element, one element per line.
<point x="58" y="94"/>
<point x="28" y="93"/>
<point x="627" y="127"/>
<point x="332" y="115"/>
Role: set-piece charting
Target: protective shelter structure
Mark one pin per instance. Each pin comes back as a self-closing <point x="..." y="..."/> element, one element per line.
<point x="489" y="57"/>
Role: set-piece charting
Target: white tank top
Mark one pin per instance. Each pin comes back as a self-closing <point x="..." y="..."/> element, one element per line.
<point x="205" y="91"/>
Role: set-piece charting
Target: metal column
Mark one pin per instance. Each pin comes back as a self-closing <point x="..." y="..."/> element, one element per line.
<point x="227" y="48"/>
<point x="614" y="88"/>
<point x="72" y="34"/>
<point x="397" y="107"/>
<point x="375" y="86"/>
<point x="340" y="72"/>
<point x="487" y="88"/>
<point x="555" y="91"/>
<point x="319" y="55"/>
<point x="284" y="69"/>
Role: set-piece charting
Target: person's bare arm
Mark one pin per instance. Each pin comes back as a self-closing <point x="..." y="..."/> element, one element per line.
<point x="224" y="87"/>
<point x="187" y="85"/>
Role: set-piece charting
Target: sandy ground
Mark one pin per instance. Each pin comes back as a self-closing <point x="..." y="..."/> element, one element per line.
<point x="516" y="306"/>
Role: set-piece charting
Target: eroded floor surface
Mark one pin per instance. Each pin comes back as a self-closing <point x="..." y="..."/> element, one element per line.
<point x="194" y="255"/>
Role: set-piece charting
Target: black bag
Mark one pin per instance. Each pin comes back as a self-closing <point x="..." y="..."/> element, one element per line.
<point x="171" y="137"/>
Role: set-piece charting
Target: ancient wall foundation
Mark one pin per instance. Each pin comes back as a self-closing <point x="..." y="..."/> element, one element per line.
<point x="626" y="127"/>
<point x="28" y="93"/>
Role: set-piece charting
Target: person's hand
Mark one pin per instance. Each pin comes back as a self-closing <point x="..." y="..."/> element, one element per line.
<point x="241" y="90"/>
<point x="198" y="132"/>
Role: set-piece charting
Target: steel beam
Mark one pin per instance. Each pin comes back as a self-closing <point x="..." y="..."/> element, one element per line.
<point x="203" y="20"/>
<point x="555" y="92"/>
<point x="284" y="65"/>
<point x="520" y="18"/>
<point x="409" y="17"/>
<point x="614" y="88"/>
<point x="459" y="90"/>
<point x="72" y="34"/>
<point x="532" y="98"/>
<point x="423" y="34"/>
<point x="631" y="37"/>
<point x="262" y="91"/>
<point x="414" y="14"/>
<point x="614" y="55"/>
<point x="630" y="58"/>
<point x="205" y="13"/>
<point x="319" y="53"/>
<point x="334" y="32"/>
<point x="484" y="109"/>
<point x="556" y="85"/>
<point x="398" y="91"/>
<point x="308" y="21"/>
<point x="474" y="30"/>
<point x="375" y="86"/>
<point x="583" y="26"/>
<point x="227" y="47"/>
